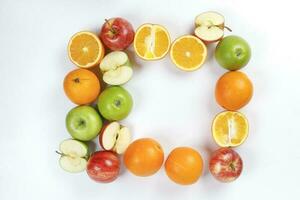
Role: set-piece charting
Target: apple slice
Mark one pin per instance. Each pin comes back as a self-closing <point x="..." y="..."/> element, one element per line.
<point x="115" y="137"/>
<point x="210" y="26"/>
<point x="123" y="140"/>
<point x="74" y="155"/>
<point x="116" y="68"/>
<point x="108" y="135"/>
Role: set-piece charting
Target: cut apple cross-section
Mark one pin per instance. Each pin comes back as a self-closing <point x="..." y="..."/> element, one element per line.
<point x="210" y="26"/>
<point x="230" y="129"/>
<point x="116" y="68"/>
<point x="151" y="42"/>
<point x="74" y="155"/>
<point x="115" y="137"/>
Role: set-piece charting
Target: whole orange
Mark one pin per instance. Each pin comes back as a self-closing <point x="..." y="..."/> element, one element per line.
<point x="233" y="90"/>
<point x="184" y="165"/>
<point x="81" y="86"/>
<point x="144" y="157"/>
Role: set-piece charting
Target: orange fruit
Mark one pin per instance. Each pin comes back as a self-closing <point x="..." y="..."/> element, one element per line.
<point x="151" y="42"/>
<point x="85" y="49"/>
<point x="188" y="53"/>
<point x="230" y="129"/>
<point x="184" y="165"/>
<point x="81" y="86"/>
<point x="233" y="90"/>
<point x="144" y="157"/>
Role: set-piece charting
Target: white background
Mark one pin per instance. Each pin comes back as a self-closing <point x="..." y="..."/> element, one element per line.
<point x="172" y="106"/>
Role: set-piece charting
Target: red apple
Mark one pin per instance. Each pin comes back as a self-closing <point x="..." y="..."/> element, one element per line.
<point x="117" y="34"/>
<point x="103" y="166"/>
<point x="225" y="165"/>
<point x="115" y="137"/>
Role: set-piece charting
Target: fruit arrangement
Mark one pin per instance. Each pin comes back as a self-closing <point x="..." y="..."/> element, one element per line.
<point x="99" y="109"/>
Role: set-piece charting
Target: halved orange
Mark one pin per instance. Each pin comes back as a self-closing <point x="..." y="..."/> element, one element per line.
<point x="188" y="52"/>
<point x="230" y="129"/>
<point x="85" y="49"/>
<point x="151" y="42"/>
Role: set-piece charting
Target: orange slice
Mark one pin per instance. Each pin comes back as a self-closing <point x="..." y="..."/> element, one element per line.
<point x="230" y="129"/>
<point x="85" y="49"/>
<point x="188" y="53"/>
<point x="151" y="42"/>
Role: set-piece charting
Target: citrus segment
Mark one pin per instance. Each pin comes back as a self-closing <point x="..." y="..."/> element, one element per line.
<point x="188" y="53"/>
<point x="151" y="42"/>
<point x="85" y="49"/>
<point x="230" y="129"/>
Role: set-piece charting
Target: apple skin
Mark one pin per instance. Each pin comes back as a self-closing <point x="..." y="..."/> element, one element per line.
<point x="103" y="166"/>
<point x="115" y="103"/>
<point x="225" y="165"/>
<point x="207" y="42"/>
<point x="83" y="123"/>
<point x="233" y="52"/>
<point x="101" y="134"/>
<point x="117" y="34"/>
<point x="114" y="137"/>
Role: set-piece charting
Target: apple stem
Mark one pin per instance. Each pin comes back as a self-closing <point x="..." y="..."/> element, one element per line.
<point x="117" y="103"/>
<point x="60" y="153"/>
<point x="221" y="26"/>
<point x="110" y="26"/>
<point x="232" y="166"/>
<point x="229" y="29"/>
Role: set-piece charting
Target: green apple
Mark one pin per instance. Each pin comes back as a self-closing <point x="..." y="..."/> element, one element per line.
<point x="74" y="155"/>
<point x="116" y="68"/>
<point x="115" y="103"/>
<point x="83" y="123"/>
<point x="233" y="52"/>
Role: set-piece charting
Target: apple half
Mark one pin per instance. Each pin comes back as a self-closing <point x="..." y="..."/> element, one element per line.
<point x="210" y="27"/>
<point x="74" y="155"/>
<point x="116" y="68"/>
<point x="115" y="137"/>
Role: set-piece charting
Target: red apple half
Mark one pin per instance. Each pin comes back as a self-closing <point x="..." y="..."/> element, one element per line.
<point x="209" y="27"/>
<point x="225" y="165"/>
<point x="115" y="137"/>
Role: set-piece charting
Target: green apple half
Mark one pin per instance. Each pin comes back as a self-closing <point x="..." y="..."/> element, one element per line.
<point x="74" y="155"/>
<point x="116" y="68"/>
<point x="115" y="103"/>
<point x="233" y="52"/>
<point x="83" y="123"/>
